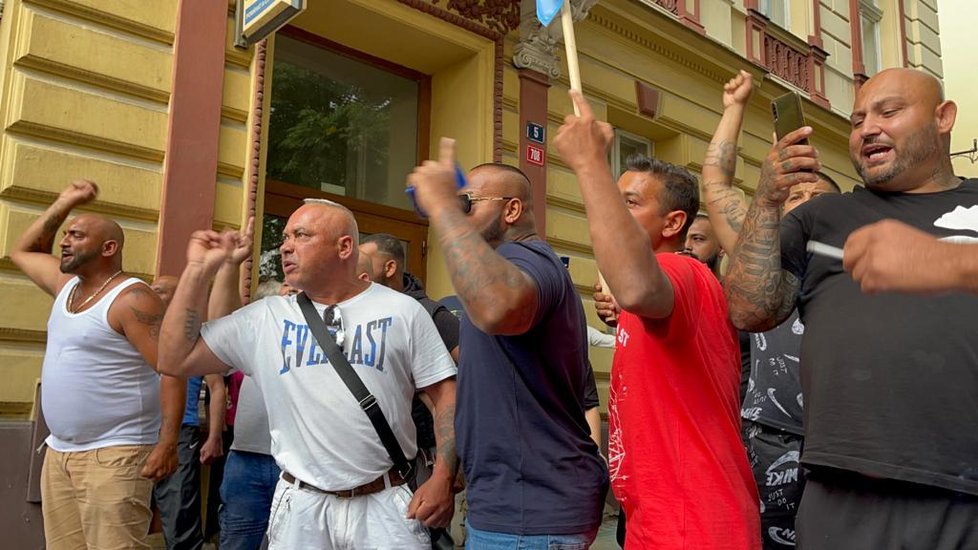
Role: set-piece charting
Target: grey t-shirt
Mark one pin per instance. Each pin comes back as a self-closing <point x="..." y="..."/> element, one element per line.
<point x="774" y="389"/>
<point x="251" y="421"/>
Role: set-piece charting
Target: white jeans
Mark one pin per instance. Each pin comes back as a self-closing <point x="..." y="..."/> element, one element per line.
<point x="302" y="518"/>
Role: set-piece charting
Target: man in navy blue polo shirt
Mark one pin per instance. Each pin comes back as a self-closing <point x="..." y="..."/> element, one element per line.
<point x="534" y="476"/>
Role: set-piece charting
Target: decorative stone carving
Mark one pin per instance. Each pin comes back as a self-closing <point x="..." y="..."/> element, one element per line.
<point x="501" y="16"/>
<point x="537" y="48"/>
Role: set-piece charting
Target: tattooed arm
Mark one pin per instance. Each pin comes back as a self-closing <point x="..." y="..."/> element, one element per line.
<point x="182" y="351"/>
<point x="760" y="293"/>
<point x="434" y="502"/>
<point x="137" y="314"/>
<point x="32" y="254"/>
<point x="726" y="205"/>
<point x="499" y="298"/>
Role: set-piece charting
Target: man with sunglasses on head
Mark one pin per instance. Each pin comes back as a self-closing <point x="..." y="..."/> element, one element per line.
<point x="338" y="488"/>
<point x="534" y="476"/>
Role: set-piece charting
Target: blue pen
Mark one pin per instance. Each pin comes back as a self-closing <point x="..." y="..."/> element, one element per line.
<point x="459" y="182"/>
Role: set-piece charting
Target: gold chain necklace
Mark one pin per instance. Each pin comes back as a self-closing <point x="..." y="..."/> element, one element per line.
<point x="71" y="297"/>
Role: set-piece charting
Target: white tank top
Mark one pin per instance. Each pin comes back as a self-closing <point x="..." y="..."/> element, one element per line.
<point x="96" y="389"/>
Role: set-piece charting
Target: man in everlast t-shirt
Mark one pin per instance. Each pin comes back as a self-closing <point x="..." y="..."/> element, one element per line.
<point x="534" y="476"/>
<point x="888" y="380"/>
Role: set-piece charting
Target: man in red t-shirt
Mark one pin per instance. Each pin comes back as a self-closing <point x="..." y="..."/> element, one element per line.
<point x="678" y="466"/>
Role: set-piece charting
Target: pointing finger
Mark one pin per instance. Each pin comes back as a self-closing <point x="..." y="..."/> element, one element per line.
<point x="446" y="152"/>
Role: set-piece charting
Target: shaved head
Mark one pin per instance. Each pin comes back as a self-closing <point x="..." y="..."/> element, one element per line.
<point x="505" y="181"/>
<point x="501" y="203"/>
<point x="104" y="228"/>
<point x="91" y="238"/>
<point x="901" y="131"/>
<point x="345" y="222"/>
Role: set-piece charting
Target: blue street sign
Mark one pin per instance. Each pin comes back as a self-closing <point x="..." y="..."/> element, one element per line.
<point x="536" y="132"/>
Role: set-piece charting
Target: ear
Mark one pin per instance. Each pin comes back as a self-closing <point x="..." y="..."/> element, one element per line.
<point x="674" y="222"/>
<point x="345" y="247"/>
<point x="390" y="268"/>
<point x="513" y="211"/>
<point x="109" y="248"/>
<point x="946" y="113"/>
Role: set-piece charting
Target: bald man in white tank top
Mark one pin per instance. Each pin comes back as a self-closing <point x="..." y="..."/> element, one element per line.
<point x="114" y="421"/>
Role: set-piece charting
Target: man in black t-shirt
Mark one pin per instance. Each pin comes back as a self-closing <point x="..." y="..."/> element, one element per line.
<point x="888" y="380"/>
<point x="534" y="477"/>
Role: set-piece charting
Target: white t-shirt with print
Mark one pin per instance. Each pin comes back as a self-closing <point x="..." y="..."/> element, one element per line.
<point x="319" y="432"/>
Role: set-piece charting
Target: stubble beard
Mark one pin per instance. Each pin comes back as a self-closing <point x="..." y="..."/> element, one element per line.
<point x="918" y="149"/>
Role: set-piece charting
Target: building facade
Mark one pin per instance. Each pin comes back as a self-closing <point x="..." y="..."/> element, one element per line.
<point x="182" y="130"/>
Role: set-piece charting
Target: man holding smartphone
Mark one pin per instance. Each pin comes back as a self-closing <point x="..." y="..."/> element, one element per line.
<point x="888" y="380"/>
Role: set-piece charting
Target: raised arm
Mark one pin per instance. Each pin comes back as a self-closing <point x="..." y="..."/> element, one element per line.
<point x="434" y="503"/>
<point x="182" y="351"/>
<point x="760" y="293"/>
<point x="725" y="205"/>
<point x="621" y="247"/>
<point x="225" y="296"/>
<point x="33" y="254"/>
<point x="499" y="298"/>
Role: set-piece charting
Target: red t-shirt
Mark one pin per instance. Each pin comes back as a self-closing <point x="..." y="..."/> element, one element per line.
<point x="678" y="465"/>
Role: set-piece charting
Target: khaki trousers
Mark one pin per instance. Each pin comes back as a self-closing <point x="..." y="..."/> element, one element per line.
<point x="96" y="499"/>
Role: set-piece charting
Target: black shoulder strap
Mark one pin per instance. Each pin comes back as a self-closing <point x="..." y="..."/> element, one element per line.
<point x="360" y="392"/>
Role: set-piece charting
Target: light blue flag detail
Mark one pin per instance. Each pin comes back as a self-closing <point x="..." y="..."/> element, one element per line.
<point x="547" y="10"/>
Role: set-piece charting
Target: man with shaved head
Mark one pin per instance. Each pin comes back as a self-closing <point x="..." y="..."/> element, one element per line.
<point x="888" y="380"/>
<point x="338" y="487"/>
<point x="534" y="477"/>
<point x="114" y="423"/>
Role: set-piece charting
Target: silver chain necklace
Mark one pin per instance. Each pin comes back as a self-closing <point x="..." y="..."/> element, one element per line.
<point x="71" y="297"/>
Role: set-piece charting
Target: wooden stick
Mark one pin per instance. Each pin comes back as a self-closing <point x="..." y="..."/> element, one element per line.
<point x="570" y="48"/>
<point x="574" y="74"/>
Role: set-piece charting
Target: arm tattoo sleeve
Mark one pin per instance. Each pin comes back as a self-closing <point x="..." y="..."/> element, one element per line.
<point x="760" y="293"/>
<point x="445" y="438"/>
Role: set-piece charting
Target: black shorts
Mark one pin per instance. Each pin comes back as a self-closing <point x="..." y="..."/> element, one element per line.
<point x="846" y="511"/>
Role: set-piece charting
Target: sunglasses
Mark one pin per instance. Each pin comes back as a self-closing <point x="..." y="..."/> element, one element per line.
<point x="467" y="199"/>
<point x="334" y="324"/>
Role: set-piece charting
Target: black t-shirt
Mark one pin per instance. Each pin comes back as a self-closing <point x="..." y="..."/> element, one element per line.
<point x="530" y="465"/>
<point x="891" y="380"/>
<point x="774" y="396"/>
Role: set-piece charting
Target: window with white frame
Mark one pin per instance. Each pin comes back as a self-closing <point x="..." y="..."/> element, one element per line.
<point x="870" y="16"/>
<point x="625" y="145"/>
<point x="775" y="10"/>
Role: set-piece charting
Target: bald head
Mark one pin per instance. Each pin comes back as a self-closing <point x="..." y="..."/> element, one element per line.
<point x="901" y="131"/>
<point x="91" y="242"/>
<point x="103" y="228"/>
<point x="337" y="216"/>
<point x="504" y="180"/>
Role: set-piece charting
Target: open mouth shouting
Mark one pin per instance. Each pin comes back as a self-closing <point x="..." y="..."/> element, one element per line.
<point x="876" y="153"/>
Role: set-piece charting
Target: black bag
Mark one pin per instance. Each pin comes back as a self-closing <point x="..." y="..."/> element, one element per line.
<point x="440" y="539"/>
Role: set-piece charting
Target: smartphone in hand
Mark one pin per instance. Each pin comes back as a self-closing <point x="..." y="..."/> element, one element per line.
<point x="788" y="115"/>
